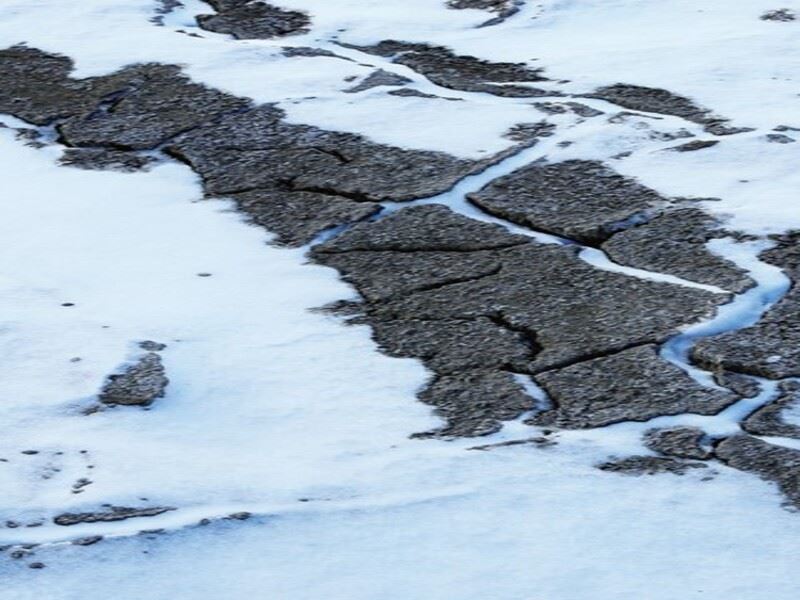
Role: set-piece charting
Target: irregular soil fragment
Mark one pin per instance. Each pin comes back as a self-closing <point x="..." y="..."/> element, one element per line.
<point x="694" y="146"/>
<point x="104" y="159"/>
<point x="502" y="8"/>
<point x="675" y="243"/>
<point x="377" y="79"/>
<point x="140" y="384"/>
<point x="115" y="513"/>
<point x="657" y="100"/>
<point x="777" y="464"/>
<point x="679" y="442"/>
<point x="632" y="385"/>
<point x="163" y="8"/>
<point x="475" y="403"/>
<point x="649" y="465"/>
<point x="781" y="14"/>
<point x="467" y="73"/>
<point x="253" y="19"/>
<point x="578" y="199"/>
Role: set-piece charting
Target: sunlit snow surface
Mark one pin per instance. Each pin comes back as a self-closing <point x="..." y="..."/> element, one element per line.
<point x="287" y="414"/>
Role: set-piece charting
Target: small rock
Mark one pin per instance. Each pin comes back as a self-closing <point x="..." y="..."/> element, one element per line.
<point x="116" y="513"/>
<point x="781" y="14"/>
<point x="694" y="145"/>
<point x="253" y="20"/>
<point x="649" y="465"/>
<point x="139" y="385"/>
<point x="105" y="159"/>
<point x="87" y="541"/>
<point x="377" y="79"/>
<point x="152" y="346"/>
<point x="779" y="138"/>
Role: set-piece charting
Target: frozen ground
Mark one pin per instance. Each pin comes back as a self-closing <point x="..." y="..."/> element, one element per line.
<point x="287" y="415"/>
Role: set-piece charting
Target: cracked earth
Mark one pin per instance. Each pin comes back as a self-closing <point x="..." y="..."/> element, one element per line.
<point x="466" y="250"/>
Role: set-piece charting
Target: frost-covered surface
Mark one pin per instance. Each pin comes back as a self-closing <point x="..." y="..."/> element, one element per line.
<point x="286" y="414"/>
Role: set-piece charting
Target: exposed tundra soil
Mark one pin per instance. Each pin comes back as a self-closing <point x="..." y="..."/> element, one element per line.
<point x="484" y="309"/>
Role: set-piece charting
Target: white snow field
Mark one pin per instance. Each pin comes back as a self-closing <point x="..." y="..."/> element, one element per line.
<point x="285" y="413"/>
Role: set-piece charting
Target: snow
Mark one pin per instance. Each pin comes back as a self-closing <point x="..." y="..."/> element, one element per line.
<point x="286" y="413"/>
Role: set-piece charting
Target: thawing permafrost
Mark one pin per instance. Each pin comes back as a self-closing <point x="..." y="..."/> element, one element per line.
<point x="455" y="198"/>
<point x="504" y="524"/>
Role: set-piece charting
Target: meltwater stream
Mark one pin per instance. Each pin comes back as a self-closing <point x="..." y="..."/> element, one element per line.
<point x="745" y="310"/>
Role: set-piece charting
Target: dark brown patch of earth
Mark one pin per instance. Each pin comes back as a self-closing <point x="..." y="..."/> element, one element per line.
<point x="475" y="403"/>
<point x="253" y="19"/>
<point x="466" y="73"/>
<point x="307" y="52"/>
<point x="649" y="465"/>
<point x="558" y="108"/>
<point x="152" y="346"/>
<point x="116" y="513"/>
<point x="657" y="100"/>
<point x="502" y="8"/>
<point x="675" y="243"/>
<point x="377" y="79"/>
<point x="140" y="384"/>
<point x="87" y="541"/>
<point x="678" y="442"/>
<point x="578" y="199"/>
<point x="772" y="463"/>
<point x="784" y="15"/>
<point x="631" y="385"/>
<point x="539" y="442"/>
<point x="693" y="146"/>
<point x="779" y="138"/>
<point x="105" y="159"/>
<point x="412" y="93"/>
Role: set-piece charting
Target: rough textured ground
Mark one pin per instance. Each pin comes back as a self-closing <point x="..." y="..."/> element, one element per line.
<point x="492" y="289"/>
<point x="252" y="19"/>
<point x="139" y="384"/>
<point x="467" y="73"/>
